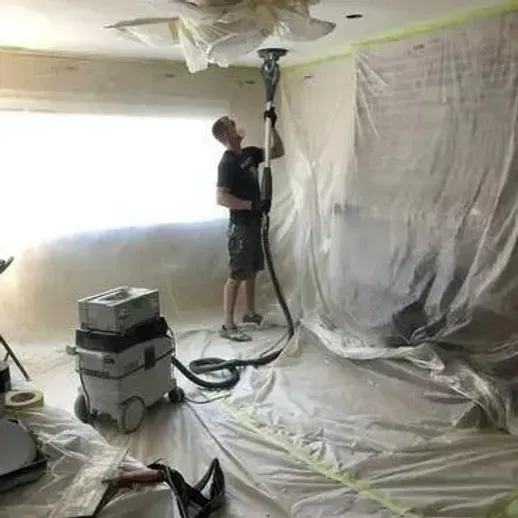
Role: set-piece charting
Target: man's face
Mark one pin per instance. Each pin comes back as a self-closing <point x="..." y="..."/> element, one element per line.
<point x="231" y="131"/>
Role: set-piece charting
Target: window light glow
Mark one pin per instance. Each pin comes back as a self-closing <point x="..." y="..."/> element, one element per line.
<point x="67" y="173"/>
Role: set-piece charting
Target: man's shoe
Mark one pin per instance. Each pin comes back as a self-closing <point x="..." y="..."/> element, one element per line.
<point x="234" y="333"/>
<point x="253" y="319"/>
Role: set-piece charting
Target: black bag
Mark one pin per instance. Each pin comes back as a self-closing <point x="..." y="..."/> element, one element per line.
<point x="191" y="501"/>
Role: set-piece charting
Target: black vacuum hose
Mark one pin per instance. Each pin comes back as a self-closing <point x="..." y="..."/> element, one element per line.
<point x="210" y="365"/>
<point x="271" y="269"/>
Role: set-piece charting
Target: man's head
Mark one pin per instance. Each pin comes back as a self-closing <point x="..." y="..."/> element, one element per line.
<point x="224" y="130"/>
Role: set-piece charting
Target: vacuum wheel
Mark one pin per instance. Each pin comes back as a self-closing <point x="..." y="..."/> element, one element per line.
<point x="81" y="409"/>
<point x="131" y="415"/>
<point x="176" y="395"/>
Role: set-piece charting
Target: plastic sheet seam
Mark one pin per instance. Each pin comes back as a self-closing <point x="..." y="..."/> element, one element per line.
<point x="318" y="465"/>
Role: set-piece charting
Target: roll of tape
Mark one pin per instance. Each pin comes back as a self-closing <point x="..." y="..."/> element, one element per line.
<point x="24" y="399"/>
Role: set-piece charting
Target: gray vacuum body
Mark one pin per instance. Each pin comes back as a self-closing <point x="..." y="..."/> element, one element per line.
<point x="119" y="309"/>
<point x="123" y="356"/>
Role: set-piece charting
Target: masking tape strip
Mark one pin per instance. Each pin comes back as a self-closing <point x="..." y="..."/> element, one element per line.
<point x="24" y="400"/>
<point x="322" y="466"/>
<point x="453" y="20"/>
<point x="507" y="507"/>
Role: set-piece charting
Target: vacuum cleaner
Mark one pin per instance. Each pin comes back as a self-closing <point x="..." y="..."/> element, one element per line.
<point x="124" y="347"/>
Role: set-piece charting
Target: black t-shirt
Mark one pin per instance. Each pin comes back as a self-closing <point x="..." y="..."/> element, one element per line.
<point x="239" y="173"/>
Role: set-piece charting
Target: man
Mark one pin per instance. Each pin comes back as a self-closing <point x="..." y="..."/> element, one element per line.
<point x="238" y="190"/>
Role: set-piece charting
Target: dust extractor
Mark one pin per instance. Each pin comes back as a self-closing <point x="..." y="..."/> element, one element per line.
<point x="124" y="346"/>
<point x="123" y="356"/>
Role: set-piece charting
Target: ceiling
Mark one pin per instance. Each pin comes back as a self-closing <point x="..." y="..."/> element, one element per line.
<point x="77" y="26"/>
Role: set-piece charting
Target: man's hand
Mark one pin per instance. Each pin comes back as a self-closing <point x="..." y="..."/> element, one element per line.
<point x="277" y="149"/>
<point x="272" y="115"/>
<point x="225" y="199"/>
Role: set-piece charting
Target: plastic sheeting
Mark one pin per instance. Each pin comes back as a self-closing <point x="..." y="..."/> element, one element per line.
<point x="223" y="32"/>
<point x="374" y="217"/>
<point x="78" y="459"/>
<point x="294" y="439"/>
<point x="408" y="203"/>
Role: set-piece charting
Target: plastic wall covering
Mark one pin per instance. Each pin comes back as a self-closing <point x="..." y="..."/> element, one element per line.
<point x="221" y="33"/>
<point x="407" y="205"/>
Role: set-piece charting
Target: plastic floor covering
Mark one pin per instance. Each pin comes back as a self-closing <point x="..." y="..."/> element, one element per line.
<point x="314" y="435"/>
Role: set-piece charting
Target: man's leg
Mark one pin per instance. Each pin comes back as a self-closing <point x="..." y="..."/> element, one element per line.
<point x="239" y="261"/>
<point x="229" y="300"/>
<point x="257" y="265"/>
<point x="250" y="296"/>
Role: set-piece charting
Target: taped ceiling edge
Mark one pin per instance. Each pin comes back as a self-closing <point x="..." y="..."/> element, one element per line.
<point x="453" y="20"/>
<point x="459" y="18"/>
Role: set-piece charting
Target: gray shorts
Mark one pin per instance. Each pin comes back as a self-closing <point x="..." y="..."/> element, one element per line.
<point x="245" y="250"/>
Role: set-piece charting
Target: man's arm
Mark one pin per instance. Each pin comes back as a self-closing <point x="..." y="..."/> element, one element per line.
<point x="225" y="199"/>
<point x="226" y="178"/>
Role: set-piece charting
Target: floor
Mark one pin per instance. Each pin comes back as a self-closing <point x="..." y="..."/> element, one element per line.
<point x="312" y="435"/>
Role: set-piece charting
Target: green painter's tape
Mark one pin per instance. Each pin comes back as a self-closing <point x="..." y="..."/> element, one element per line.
<point x="505" y="508"/>
<point x="453" y="20"/>
<point x="319" y="465"/>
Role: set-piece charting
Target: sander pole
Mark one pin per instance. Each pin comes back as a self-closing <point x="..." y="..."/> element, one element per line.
<point x="271" y="74"/>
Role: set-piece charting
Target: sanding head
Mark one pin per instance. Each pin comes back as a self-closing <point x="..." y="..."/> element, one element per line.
<point x="272" y="54"/>
<point x="270" y="71"/>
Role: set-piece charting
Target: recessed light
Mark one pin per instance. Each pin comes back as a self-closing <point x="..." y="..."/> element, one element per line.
<point x="354" y="16"/>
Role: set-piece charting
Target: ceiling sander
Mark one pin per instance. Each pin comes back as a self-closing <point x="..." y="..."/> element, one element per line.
<point x="21" y="460"/>
<point x="271" y="75"/>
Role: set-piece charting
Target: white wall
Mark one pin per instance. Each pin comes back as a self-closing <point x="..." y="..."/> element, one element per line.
<point x="154" y="84"/>
<point x="186" y="262"/>
<point x="414" y="156"/>
<point x="318" y="109"/>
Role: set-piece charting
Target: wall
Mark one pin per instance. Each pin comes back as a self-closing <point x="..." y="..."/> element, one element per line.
<point x="318" y="117"/>
<point x="187" y="263"/>
<point x="406" y="160"/>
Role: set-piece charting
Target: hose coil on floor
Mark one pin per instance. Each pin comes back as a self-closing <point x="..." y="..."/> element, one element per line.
<point x="212" y="365"/>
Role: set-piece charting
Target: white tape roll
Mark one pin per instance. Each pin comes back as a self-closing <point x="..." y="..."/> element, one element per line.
<point x="24" y="399"/>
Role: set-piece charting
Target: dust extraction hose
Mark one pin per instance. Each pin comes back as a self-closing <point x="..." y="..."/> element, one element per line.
<point x="270" y="74"/>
